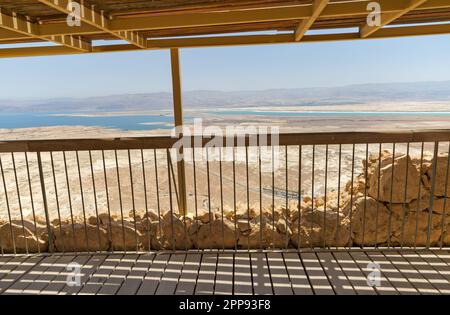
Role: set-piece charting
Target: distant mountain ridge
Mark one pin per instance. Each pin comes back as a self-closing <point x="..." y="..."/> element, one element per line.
<point x="350" y="94"/>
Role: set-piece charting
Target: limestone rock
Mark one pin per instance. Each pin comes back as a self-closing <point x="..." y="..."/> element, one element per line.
<point x="72" y="238"/>
<point x="394" y="186"/>
<point x="263" y="237"/>
<point x="370" y="222"/>
<point x="20" y="240"/>
<point x="216" y="234"/>
<point x="440" y="205"/>
<point x="123" y="237"/>
<point x="442" y="185"/>
<point x="319" y="228"/>
<point x="414" y="231"/>
<point x="176" y="239"/>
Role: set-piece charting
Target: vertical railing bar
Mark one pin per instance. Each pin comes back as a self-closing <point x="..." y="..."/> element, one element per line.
<point x="208" y="181"/>
<point x="20" y="202"/>
<point x="444" y="212"/>
<point x="33" y="210"/>
<point x="13" y="239"/>
<point x="312" y="190"/>
<point x="172" y="172"/>
<point x="273" y="197"/>
<point x="157" y="192"/>
<point x="120" y="201"/>
<point x="185" y="211"/>
<point x="82" y="201"/>
<point x="324" y="229"/>
<point x="107" y="201"/>
<point x="366" y="178"/>
<point x="391" y="195"/>
<point x="287" y="195"/>
<point x="338" y="225"/>
<point x="419" y="196"/>
<point x="405" y="198"/>
<point x="433" y="189"/>
<point x="299" y="195"/>
<point x="221" y="197"/>
<point x="144" y="178"/>
<point x="44" y="199"/>
<point x="170" y="198"/>
<point x="133" y="200"/>
<point x="94" y="190"/>
<point x="234" y="199"/>
<point x="194" y="169"/>
<point x="57" y="200"/>
<point x="248" y="196"/>
<point x="70" y="198"/>
<point x="378" y="194"/>
<point x="260" y="197"/>
<point x="351" y="194"/>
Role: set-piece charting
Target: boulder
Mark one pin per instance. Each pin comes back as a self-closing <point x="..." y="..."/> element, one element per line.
<point x="72" y="238"/>
<point x="216" y="234"/>
<point x="123" y="237"/>
<point x="414" y="229"/>
<point x="394" y="186"/>
<point x="319" y="228"/>
<point x="173" y="233"/>
<point x="440" y="205"/>
<point x="15" y="238"/>
<point x="370" y="222"/>
<point x="442" y="186"/>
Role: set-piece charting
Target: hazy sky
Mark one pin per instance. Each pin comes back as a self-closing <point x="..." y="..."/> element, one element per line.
<point x="230" y="68"/>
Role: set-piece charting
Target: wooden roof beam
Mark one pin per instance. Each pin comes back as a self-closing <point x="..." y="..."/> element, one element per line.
<point x="317" y="8"/>
<point x="21" y="25"/>
<point x="386" y="18"/>
<point x="98" y="20"/>
<point x="392" y="32"/>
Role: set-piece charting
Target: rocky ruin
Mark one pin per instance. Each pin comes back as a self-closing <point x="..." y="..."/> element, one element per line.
<point x="390" y="204"/>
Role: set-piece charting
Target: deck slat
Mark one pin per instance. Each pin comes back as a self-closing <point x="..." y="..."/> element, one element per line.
<point x="279" y="275"/>
<point x="317" y="277"/>
<point x="409" y="272"/>
<point x="261" y="275"/>
<point x="391" y="275"/>
<point x="116" y="279"/>
<point x="433" y="275"/>
<point x="224" y="275"/>
<point x="242" y="274"/>
<point x="19" y="268"/>
<point x="361" y="273"/>
<point x="188" y="277"/>
<point x="169" y="280"/>
<point x="207" y="274"/>
<point x="95" y="283"/>
<point x="297" y="274"/>
<point x="133" y="280"/>
<point x="336" y="275"/>
<point x="154" y="274"/>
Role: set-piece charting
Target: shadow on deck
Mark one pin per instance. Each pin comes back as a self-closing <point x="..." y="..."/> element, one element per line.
<point x="332" y="272"/>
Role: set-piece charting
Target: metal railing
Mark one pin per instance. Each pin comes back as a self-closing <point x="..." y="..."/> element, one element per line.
<point x="309" y="191"/>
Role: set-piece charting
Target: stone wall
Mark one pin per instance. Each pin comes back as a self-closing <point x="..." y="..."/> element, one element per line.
<point x="367" y="214"/>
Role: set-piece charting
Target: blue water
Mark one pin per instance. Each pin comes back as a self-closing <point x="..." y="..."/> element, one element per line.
<point x="127" y="122"/>
<point x="138" y="122"/>
<point x="326" y="114"/>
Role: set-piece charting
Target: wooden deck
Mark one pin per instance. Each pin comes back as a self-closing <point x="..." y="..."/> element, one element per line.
<point x="338" y="272"/>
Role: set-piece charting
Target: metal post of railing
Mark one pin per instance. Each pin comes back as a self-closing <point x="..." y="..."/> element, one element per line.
<point x="433" y="188"/>
<point x="44" y="199"/>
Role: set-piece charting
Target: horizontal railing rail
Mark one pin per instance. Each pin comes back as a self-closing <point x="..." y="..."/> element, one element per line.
<point x="165" y="142"/>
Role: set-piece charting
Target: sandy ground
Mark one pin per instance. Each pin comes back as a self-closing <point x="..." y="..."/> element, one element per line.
<point x="93" y="194"/>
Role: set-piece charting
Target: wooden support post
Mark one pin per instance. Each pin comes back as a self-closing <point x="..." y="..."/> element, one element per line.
<point x="178" y="114"/>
